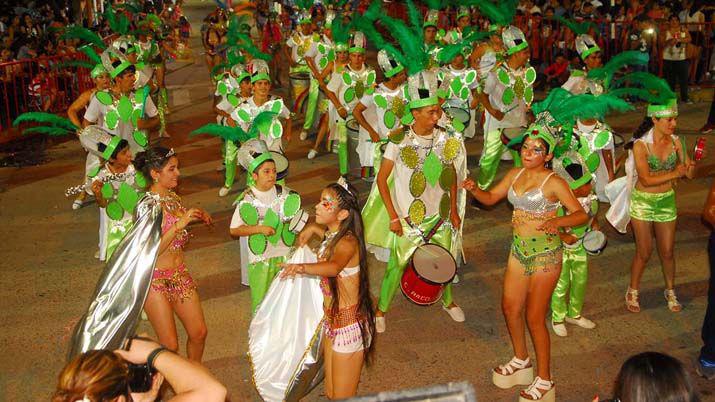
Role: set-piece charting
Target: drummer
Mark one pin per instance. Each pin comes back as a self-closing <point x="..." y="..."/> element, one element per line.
<point x="598" y="133"/>
<point x="273" y="131"/>
<point x="298" y="46"/>
<point x="262" y="214"/>
<point x="507" y="96"/>
<point x="461" y="84"/>
<point x="568" y="297"/>
<point x="419" y="203"/>
<point x="384" y="108"/>
<point x="345" y="91"/>
<point x="463" y="20"/>
<point x="432" y="36"/>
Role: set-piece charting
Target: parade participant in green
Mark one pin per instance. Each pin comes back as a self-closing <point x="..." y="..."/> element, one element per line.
<point x="262" y="214"/>
<point x="507" y="96"/>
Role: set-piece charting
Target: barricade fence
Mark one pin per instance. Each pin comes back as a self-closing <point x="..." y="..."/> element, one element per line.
<point x="547" y="38"/>
<point x="47" y="84"/>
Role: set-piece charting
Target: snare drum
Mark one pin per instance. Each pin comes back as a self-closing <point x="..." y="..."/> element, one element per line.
<point x="594" y="242"/>
<point x="281" y="165"/>
<point x="699" y="150"/>
<point x="430" y="269"/>
<point x="458" y="113"/>
<point x="298" y="222"/>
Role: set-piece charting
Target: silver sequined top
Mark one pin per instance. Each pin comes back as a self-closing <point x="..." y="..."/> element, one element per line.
<point x="532" y="201"/>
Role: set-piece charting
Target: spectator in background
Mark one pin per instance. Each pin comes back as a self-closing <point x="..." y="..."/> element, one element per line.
<point x="675" y="62"/>
<point x="653" y="376"/>
<point x="29" y="28"/>
<point x="558" y="9"/>
<point x="28" y="49"/>
<point x="556" y="74"/>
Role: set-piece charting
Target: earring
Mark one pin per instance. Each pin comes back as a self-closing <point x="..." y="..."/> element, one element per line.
<point x="156" y="180"/>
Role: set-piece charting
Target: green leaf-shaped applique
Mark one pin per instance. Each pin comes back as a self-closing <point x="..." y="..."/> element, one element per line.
<point x="127" y="197"/>
<point x="507" y="97"/>
<point x="107" y="191"/>
<point x="470" y="77"/>
<point x="530" y="75"/>
<point x="503" y="77"/>
<point x="248" y="213"/>
<point x="111" y="119"/>
<point x="291" y="205"/>
<point x="104" y="98"/>
<point x="322" y="64"/>
<point x="243" y="115"/>
<point x="370" y="79"/>
<point x="271" y="219"/>
<point x="275" y="237"/>
<point x="276" y="129"/>
<point x="528" y="95"/>
<point x="136" y="115"/>
<point x="140" y="180"/>
<point x="140" y="138"/>
<point x="277" y="106"/>
<point x="114" y="210"/>
<point x="94" y="172"/>
<point x="257" y="243"/>
<point x="464" y="93"/>
<point x="455" y="86"/>
<point x="349" y="95"/>
<point x="432" y="168"/>
<point x="222" y="88"/>
<point x="347" y="79"/>
<point x="389" y="119"/>
<point x="125" y="108"/>
<point x="288" y="236"/>
<point x="380" y="101"/>
<point x="233" y="100"/>
<point x="601" y="140"/>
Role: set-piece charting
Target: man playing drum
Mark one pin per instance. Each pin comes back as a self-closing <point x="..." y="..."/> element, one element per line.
<point x="461" y="84"/>
<point x="424" y="161"/>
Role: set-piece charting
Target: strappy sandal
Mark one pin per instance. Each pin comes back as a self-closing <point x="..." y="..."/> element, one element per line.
<point x="632" y="303"/>
<point x="672" y="299"/>
<point x="539" y="390"/>
<point x="516" y="372"/>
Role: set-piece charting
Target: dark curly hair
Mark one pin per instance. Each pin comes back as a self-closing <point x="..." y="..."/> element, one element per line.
<point x="154" y="158"/>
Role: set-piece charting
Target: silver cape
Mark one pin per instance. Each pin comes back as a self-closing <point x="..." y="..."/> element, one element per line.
<point x="122" y="288"/>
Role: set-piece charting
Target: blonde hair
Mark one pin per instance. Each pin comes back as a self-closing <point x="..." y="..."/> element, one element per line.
<point x="98" y="375"/>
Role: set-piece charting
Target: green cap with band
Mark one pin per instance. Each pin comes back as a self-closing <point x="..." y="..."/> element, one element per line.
<point x="670" y="109"/>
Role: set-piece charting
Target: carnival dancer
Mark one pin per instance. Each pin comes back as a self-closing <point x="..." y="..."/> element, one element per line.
<point x="656" y="160"/>
<point x="506" y="97"/>
<point x="172" y="290"/>
<point x="262" y="214"/>
<point x="568" y="297"/>
<point x="345" y="91"/>
<point x="463" y="20"/>
<point x="117" y="189"/>
<point x="337" y="59"/>
<point x="534" y="262"/>
<point x="272" y="132"/>
<point x="121" y="111"/>
<point x="101" y="80"/>
<point x="297" y="46"/>
<point x="349" y="329"/>
<point x="432" y="36"/>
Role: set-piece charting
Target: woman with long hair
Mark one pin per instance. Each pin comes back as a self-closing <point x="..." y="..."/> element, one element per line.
<point x="534" y="263"/>
<point x="350" y="317"/>
<point x="660" y="160"/>
<point x="172" y="290"/>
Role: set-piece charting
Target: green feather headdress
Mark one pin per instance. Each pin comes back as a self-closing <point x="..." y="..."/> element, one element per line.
<point x="500" y="13"/>
<point x="259" y="124"/>
<point x="304" y="4"/>
<point x="118" y="22"/>
<point x="645" y="86"/>
<point x="53" y="125"/>
<point x="448" y="52"/>
<point x="607" y="71"/>
<point x="579" y="28"/>
<point x="341" y="31"/>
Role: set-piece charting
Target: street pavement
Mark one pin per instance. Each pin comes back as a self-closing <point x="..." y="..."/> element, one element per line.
<point x="48" y="272"/>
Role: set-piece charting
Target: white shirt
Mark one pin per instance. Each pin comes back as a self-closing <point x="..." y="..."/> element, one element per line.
<point x="249" y="106"/>
<point x="265" y="200"/>
<point x="96" y="111"/>
<point x="374" y="114"/>
<point x="515" y="114"/>
<point x="675" y="52"/>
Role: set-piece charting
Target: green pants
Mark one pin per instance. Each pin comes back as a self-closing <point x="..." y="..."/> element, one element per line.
<point x="343" y="148"/>
<point x="230" y="158"/>
<point x="117" y="231"/>
<point x="313" y="92"/>
<point x="260" y="277"/>
<point x="491" y="155"/>
<point x="571" y="285"/>
<point x="400" y="253"/>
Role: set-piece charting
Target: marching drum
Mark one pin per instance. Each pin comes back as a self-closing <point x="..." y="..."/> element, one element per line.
<point x="458" y="113"/>
<point x="594" y="242"/>
<point x="281" y="165"/>
<point x="430" y="269"/>
<point x="299" y="83"/>
<point x="298" y="222"/>
<point x="353" y="132"/>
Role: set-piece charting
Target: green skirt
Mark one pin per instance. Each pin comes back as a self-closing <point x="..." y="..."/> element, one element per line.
<point x="653" y="207"/>
<point x="537" y="252"/>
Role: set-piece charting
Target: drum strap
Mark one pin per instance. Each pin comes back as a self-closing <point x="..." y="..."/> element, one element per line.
<point x="427" y="237"/>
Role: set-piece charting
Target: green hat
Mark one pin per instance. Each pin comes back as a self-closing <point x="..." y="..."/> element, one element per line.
<point x="568" y="165"/>
<point x="252" y="154"/>
<point x="98" y="70"/>
<point x="514" y="40"/>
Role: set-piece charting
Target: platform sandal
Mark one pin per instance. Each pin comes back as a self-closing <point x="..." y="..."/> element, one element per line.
<point x="516" y="372"/>
<point x="539" y="390"/>
<point x="632" y="303"/>
<point x="673" y="303"/>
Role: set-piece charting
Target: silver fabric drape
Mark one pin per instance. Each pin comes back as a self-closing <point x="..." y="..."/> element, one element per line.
<point x="122" y="288"/>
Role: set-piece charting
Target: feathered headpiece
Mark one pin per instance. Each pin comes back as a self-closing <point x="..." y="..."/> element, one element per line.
<point x="252" y="154"/>
<point x="617" y="62"/>
<point x="500" y="13"/>
<point x="53" y="125"/>
<point x="586" y="46"/>
<point x="237" y="134"/>
<point x="514" y="40"/>
<point x="388" y="64"/>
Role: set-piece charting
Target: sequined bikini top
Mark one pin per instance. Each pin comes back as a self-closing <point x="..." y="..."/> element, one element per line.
<point x="666" y="165"/>
<point x="171" y="205"/>
<point x="532" y="201"/>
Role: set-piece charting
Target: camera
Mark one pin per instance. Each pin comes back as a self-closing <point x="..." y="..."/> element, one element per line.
<point x="140" y="377"/>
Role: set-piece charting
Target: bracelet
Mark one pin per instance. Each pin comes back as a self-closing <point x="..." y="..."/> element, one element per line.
<point x="395" y="220"/>
<point x="153" y="355"/>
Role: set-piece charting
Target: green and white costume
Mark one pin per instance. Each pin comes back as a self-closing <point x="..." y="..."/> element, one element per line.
<point x="459" y="85"/>
<point x="271" y="133"/>
<point x="301" y="46"/>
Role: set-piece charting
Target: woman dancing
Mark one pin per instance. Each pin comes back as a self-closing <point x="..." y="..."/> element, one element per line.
<point x="350" y="318"/>
<point x="172" y="288"/>
<point x="534" y="262"/>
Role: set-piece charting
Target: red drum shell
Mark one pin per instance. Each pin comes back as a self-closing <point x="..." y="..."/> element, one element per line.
<point x="421" y="290"/>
